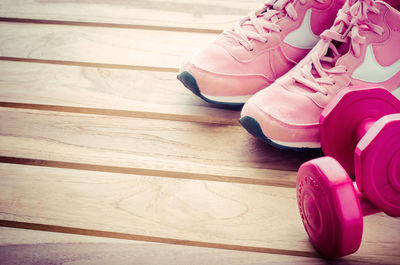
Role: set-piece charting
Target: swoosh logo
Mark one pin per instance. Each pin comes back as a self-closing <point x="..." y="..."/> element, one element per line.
<point x="303" y="37"/>
<point x="371" y="71"/>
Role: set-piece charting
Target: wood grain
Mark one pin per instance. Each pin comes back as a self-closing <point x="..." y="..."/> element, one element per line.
<point x="157" y="147"/>
<point x="175" y="14"/>
<point x="145" y="94"/>
<point x="192" y="210"/>
<point x="179" y="210"/>
<point x="149" y="48"/>
<point x="20" y="246"/>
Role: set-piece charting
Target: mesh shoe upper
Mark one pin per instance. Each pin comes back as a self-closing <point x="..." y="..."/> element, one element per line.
<point x="257" y="49"/>
<point x="364" y="39"/>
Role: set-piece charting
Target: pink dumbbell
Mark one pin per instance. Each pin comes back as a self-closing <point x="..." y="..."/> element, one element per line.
<point x="361" y="133"/>
<point x="360" y="129"/>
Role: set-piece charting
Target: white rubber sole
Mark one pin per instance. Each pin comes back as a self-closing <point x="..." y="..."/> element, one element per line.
<point x="232" y="99"/>
<point x="297" y="145"/>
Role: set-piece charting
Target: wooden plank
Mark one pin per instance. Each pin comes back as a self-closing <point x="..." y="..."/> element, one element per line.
<point x="21" y="246"/>
<point x="203" y="211"/>
<point x="154" y="49"/>
<point x="145" y="94"/>
<point x="156" y="147"/>
<point x="180" y="14"/>
<point x="220" y="215"/>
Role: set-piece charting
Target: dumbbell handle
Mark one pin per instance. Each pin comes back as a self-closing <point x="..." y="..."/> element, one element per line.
<point x="367" y="208"/>
<point x="363" y="128"/>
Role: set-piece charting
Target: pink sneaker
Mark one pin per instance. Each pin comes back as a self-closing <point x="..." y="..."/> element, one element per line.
<point x="361" y="48"/>
<point x="257" y="50"/>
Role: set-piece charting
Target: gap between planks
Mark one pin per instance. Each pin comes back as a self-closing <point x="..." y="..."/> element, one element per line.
<point x="106" y="25"/>
<point x="122" y="204"/>
<point x="155" y="145"/>
<point x="20" y="246"/>
<point x="123" y="113"/>
<point x="126" y="206"/>
<point x="172" y="241"/>
<point x="89" y="64"/>
<point x="142" y="171"/>
<point x="208" y="15"/>
<point x="127" y="236"/>
<point x="103" y="47"/>
<point x="103" y="91"/>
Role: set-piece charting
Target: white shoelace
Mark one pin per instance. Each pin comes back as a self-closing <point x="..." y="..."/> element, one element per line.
<point x="352" y="17"/>
<point x="271" y="12"/>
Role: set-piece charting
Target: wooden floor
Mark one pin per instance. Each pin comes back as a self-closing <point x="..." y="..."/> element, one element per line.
<point x="106" y="158"/>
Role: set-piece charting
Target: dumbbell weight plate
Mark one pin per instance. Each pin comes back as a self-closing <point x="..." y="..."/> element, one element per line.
<point x="340" y="119"/>
<point x="377" y="164"/>
<point x="329" y="207"/>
